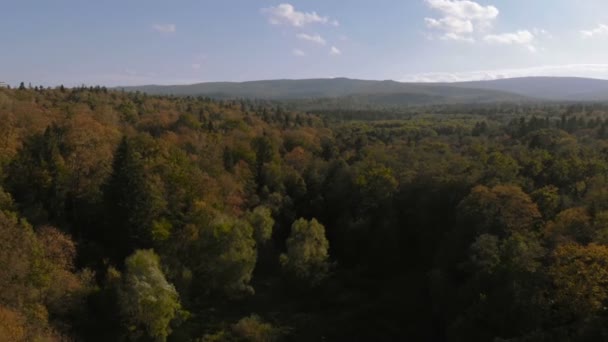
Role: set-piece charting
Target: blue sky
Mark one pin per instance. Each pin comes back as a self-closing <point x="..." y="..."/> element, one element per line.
<point x="130" y="42"/>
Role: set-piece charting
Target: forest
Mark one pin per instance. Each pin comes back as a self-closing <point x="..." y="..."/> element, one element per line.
<point x="134" y="217"/>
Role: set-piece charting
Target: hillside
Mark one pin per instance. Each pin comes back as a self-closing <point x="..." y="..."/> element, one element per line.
<point x="365" y="91"/>
<point x="548" y="88"/>
<point x="392" y="93"/>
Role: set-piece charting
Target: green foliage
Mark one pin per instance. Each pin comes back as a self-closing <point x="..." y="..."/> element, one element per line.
<point x="161" y="230"/>
<point x="148" y="302"/>
<point x="21" y="260"/>
<point x="501" y="169"/>
<point x="485" y="253"/>
<point x="522" y="253"/>
<point x="499" y="210"/>
<point x="262" y="222"/>
<point x="248" y="329"/>
<point x="377" y="184"/>
<point x="307" y="257"/>
<point x="38" y="279"/>
<point x="458" y="223"/>
<point x="548" y="200"/>
<point x="6" y="201"/>
<point x="134" y="200"/>
<point x="254" y="329"/>
<point x="225" y="257"/>
<point x="600" y="224"/>
<point x="38" y="176"/>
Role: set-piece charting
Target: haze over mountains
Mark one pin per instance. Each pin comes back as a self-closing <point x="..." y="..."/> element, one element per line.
<point x="398" y="93"/>
<point x="547" y="88"/>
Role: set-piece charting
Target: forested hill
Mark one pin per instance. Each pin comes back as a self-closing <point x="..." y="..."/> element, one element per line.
<point x="374" y="92"/>
<point x="391" y="93"/>
<point x="133" y="217"/>
<point x="547" y="88"/>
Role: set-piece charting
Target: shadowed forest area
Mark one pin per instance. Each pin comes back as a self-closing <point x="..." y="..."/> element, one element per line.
<point x="134" y="217"/>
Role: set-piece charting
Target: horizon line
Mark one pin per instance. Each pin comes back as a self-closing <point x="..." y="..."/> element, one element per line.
<point x="33" y="84"/>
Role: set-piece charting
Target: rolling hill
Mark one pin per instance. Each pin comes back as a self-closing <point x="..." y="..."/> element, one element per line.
<point x="547" y="88"/>
<point x="394" y="93"/>
<point x="389" y="92"/>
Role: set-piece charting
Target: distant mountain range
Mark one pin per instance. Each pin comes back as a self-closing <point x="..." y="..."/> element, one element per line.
<point x="547" y="88"/>
<point x="397" y="93"/>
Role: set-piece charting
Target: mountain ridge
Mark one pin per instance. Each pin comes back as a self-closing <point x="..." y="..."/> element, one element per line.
<point x="547" y="87"/>
<point x="522" y="89"/>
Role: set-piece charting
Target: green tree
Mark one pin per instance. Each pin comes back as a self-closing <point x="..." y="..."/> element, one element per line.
<point x="134" y="202"/>
<point x="548" y="200"/>
<point x="225" y="256"/>
<point x="262" y="222"/>
<point x="38" y="176"/>
<point x="499" y="210"/>
<point x="376" y="185"/>
<point x="148" y="302"/>
<point x="501" y="168"/>
<point x="20" y="260"/>
<point x="265" y="153"/>
<point x="505" y="274"/>
<point x="307" y="256"/>
<point x="254" y="329"/>
<point x="6" y="201"/>
<point x="485" y="253"/>
<point x="37" y="279"/>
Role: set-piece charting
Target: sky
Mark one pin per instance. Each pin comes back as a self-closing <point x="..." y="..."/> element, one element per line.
<point x="135" y="42"/>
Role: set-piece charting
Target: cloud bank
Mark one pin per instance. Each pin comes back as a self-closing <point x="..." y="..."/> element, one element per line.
<point x="600" y="30"/>
<point x="460" y="18"/>
<point x="565" y="70"/>
<point x="468" y="21"/>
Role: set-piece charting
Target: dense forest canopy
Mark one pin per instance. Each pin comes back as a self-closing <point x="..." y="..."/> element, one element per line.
<point x="134" y="217"/>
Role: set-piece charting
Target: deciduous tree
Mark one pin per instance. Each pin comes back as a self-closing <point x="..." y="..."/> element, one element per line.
<point x="148" y="302"/>
<point x="307" y="256"/>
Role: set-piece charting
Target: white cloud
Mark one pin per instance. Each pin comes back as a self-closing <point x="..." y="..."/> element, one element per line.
<point x="457" y="37"/>
<point x="317" y="39"/>
<point x="600" y="30"/>
<point x="288" y="15"/>
<point x="165" y="28"/>
<point x="521" y="37"/>
<point x="196" y="66"/>
<point x="334" y="51"/>
<point x="460" y="18"/>
<point x="464" y="9"/>
<point x="468" y="21"/>
<point x="450" y="25"/>
<point x="566" y="70"/>
<point x="298" y="53"/>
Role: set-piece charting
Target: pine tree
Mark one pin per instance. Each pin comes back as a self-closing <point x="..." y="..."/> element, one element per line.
<point x="134" y="202"/>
